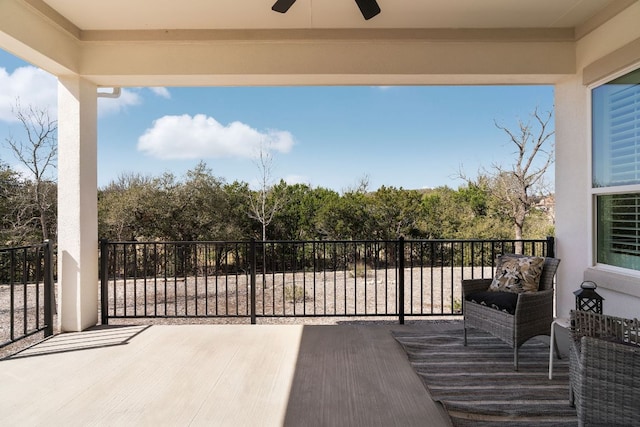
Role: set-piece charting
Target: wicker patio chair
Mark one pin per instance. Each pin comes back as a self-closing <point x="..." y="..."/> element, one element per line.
<point x="605" y="369"/>
<point x="532" y="316"/>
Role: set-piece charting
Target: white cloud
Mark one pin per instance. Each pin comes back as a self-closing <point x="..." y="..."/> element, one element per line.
<point x="297" y="179"/>
<point x="162" y="92"/>
<point x="35" y="87"/>
<point x="31" y="86"/>
<point x="127" y="98"/>
<point x="187" y="137"/>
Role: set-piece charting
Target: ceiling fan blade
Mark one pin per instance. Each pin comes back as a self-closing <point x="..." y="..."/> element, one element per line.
<point x="369" y="8"/>
<point x="282" y="5"/>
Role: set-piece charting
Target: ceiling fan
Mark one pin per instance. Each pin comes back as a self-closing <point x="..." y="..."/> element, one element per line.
<point x="368" y="8"/>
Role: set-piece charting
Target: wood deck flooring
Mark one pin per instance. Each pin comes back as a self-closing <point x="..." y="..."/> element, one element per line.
<point x="218" y="375"/>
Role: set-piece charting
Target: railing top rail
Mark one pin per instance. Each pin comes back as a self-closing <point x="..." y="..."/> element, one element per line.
<point x="221" y="242"/>
<point x="174" y="242"/>
<point x="477" y="240"/>
<point x="17" y="248"/>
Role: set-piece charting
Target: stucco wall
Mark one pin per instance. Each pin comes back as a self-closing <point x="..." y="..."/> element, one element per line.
<point x="574" y="219"/>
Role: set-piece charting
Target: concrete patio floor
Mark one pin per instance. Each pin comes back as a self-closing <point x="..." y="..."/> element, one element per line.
<point x="219" y="375"/>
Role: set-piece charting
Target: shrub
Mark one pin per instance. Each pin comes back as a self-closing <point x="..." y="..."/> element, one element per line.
<point x="296" y="294"/>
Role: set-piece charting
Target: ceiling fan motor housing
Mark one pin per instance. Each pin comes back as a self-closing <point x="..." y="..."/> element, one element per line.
<point x="368" y="8"/>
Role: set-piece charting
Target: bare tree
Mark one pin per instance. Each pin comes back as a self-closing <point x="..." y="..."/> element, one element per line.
<point x="264" y="203"/>
<point x="38" y="154"/>
<point x="517" y="189"/>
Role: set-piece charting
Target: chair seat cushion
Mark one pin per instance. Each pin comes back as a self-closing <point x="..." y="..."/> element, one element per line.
<point x="503" y="301"/>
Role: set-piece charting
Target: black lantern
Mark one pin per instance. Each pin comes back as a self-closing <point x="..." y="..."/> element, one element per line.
<point x="587" y="299"/>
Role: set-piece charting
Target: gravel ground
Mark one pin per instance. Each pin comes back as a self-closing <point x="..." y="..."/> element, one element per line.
<point x="32" y="317"/>
<point x="427" y="292"/>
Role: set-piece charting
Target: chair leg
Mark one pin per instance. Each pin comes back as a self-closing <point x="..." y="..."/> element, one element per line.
<point x="557" y="350"/>
<point x="465" y="335"/>
<point x="515" y="358"/>
<point x="572" y="402"/>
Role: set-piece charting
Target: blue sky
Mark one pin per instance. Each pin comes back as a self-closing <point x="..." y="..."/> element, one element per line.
<point x="402" y="136"/>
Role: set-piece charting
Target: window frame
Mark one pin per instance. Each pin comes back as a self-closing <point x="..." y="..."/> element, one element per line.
<point x="598" y="268"/>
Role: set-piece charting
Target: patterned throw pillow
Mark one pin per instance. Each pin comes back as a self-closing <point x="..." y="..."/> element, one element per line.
<point x="517" y="274"/>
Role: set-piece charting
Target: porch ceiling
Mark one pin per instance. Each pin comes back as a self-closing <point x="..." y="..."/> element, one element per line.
<point x="244" y="42"/>
<point x="257" y="14"/>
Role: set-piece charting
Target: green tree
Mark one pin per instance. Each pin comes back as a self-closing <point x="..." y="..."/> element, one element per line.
<point x="346" y="217"/>
<point x="236" y="223"/>
<point x="18" y="225"/>
<point x="444" y="215"/>
<point x="298" y="216"/>
<point x="481" y="220"/>
<point x="199" y="207"/>
<point x="201" y="204"/>
<point x="465" y="213"/>
<point x="396" y="213"/>
<point x="120" y="207"/>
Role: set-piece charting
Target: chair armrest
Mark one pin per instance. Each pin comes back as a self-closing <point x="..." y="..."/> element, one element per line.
<point x="620" y="361"/>
<point x="535" y="306"/>
<point x="605" y="377"/>
<point x="470" y="286"/>
<point x="602" y="353"/>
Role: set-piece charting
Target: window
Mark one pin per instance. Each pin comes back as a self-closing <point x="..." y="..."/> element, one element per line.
<point x="616" y="170"/>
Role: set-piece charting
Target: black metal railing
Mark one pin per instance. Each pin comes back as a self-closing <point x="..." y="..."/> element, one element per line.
<point x="26" y="292"/>
<point x="254" y="279"/>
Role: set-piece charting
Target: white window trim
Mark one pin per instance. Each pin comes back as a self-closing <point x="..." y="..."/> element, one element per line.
<point x="614" y="278"/>
<point x="620" y="189"/>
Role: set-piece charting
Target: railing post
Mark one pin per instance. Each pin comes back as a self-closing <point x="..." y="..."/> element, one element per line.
<point x="401" y="280"/>
<point x="104" y="281"/>
<point x="252" y="254"/>
<point x="551" y="251"/>
<point x="49" y="299"/>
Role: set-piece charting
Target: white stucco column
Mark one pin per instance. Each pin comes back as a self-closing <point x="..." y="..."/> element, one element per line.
<point x="77" y="204"/>
<point x="572" y="189"/>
